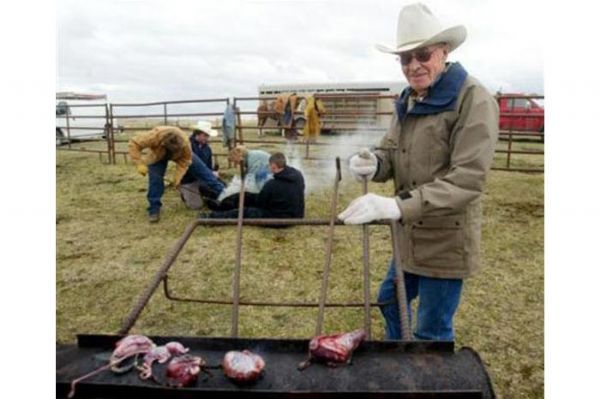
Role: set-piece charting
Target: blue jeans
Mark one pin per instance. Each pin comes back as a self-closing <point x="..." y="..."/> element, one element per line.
<point x="438" y="301"/>
<point x="197" y="171"/>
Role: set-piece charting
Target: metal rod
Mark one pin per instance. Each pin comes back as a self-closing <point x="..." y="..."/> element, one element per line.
<point x="86" y="117"/>
<point x="366" y="280"/>
<point x="328" y="249"/>
<point x="111" y="139"/>
<point x="307" y="146"/>
<point x="367" y="96"/>
<point x="510" y="129"/>
<point x="107" y="132"/>
<point x="537" y="170"/>
<point x="81" y="150"/>
<point x="124" y="128"/>
<point x="239" y="126"/>
<point x="405" y="328"/>
<point x="169" y="295"/>
<point x="282" y="142"/>
<point x="98" y="371"/>
<point x="82" y="128"/>
<point x="509" y="151"/>
<point x="238" y="258"/>
<point x="330" y="114"/>
<point x="161" y="115"/>
<point x="160" y="274"/>
<point x="205" y="100"/>
<point x="68" y="128"/>
<point x="335" y="127"/>
<point x="520" y="152"/>
<point x="281" y="222"/>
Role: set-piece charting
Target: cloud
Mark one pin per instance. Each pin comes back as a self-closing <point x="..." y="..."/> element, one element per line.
<point x="156" y="50"/>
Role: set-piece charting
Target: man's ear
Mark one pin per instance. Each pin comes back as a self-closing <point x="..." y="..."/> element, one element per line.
<point x="446" y="50"/>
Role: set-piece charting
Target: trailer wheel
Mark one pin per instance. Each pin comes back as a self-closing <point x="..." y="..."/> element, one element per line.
<point x="60" y="137"/>
<point x="299" y="123"/>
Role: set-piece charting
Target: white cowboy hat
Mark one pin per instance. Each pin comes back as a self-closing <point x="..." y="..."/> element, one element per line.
<point x="418" y="27"/>
<point x="205" y="127"/>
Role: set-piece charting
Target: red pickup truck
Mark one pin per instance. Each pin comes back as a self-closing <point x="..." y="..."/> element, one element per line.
<point x="520" y="113"/>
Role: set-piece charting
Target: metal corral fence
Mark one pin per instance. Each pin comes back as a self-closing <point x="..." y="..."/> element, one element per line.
<point x="165" y="118"/>
<point x="510" y="135"/>
<point x="117" y="112"/>
<point x="521" y="120"/>
<point x="96" y="122"/>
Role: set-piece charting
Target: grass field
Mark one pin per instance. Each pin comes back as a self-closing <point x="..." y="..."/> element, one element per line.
<point x="107" y="253"/>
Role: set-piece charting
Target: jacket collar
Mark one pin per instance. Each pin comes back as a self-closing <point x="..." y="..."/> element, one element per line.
<point x="441" y="96"/>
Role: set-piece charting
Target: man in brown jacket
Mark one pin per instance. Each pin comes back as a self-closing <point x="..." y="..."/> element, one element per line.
<point x="151" y="151"/>
<point x="438" y="151"/>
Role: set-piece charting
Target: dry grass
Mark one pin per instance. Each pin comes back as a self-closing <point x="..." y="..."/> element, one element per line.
<point x="107" y="253"/>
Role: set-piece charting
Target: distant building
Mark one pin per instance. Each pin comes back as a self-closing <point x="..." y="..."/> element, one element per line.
<point x="358" y="101"/>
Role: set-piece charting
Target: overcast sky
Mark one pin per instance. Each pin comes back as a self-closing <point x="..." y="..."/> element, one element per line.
<point x="169" y="50"/>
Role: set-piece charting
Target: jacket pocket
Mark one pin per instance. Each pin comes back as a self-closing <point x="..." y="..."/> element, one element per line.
<point x="439" y="242"/>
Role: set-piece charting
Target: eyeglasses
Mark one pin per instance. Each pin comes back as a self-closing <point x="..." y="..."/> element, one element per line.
<point x="422" y="55"/>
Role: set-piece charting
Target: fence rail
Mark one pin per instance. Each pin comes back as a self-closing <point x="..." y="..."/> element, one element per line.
<point x="111" y="112"/>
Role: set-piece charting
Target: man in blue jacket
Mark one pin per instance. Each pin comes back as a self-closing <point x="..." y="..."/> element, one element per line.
<point x="199" y="141"/>
<point x="192" y="190"/>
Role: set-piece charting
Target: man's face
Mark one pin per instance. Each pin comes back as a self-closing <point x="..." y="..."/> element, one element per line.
<point x="274" y="168"/>
<point x="202" y="138"/>
<point x="421" y="74"/>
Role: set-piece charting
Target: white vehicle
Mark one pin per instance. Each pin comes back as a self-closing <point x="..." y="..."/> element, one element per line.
<point x="80" y="117"/>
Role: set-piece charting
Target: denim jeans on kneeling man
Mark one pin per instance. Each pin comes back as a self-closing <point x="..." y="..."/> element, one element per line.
<point x="438" y="301"/>
<point x="196" y="171"/>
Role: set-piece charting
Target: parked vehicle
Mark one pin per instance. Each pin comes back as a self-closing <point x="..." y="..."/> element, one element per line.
<point x="519" y="112"/>
<point x="80" y="117"/>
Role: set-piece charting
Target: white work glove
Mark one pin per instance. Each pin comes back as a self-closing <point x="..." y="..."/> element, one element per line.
<point x="370" y="207"/>
<point x="363" y="165"/>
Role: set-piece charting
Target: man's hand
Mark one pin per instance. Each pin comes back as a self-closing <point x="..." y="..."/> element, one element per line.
<point x="363" y="165"/>
<point x="370" y="207"/>
<point x="142" y="169"/>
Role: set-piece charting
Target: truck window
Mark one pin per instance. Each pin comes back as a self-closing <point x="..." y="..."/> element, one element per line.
<point x="62" y="108"/>
<point x="521" y="103"/>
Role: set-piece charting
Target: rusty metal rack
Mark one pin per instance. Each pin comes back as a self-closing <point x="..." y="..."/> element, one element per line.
<point x="161" y="275"/>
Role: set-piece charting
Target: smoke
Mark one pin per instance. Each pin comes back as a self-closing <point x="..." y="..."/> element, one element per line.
<point x="320" y="173"/>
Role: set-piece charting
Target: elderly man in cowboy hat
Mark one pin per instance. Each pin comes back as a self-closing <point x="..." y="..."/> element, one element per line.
<point x="151" y="151"/>
<point x="438" y="151"/>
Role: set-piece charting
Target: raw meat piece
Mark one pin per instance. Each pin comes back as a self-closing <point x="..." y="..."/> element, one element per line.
<point x="243" y="367"/>
<point x="183" y="371"/>
<point x="333" y="349"/>
<point x="160" y="354"/>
